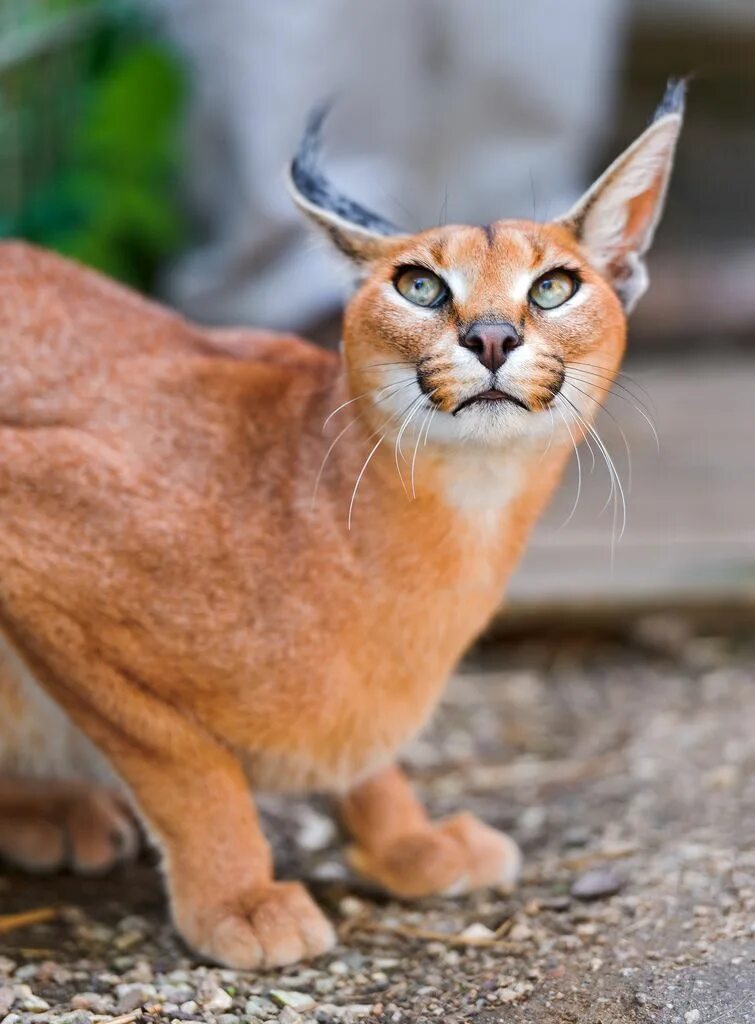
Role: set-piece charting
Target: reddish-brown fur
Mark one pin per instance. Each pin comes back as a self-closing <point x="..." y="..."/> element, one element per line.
<point x="170" y="578"/>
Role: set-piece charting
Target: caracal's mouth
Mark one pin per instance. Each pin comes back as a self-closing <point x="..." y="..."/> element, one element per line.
<point x="489" y="396"/>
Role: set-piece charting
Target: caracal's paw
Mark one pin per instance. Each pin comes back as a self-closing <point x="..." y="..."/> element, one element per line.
<point x="451" y="857"/>
<point x="67" y="825"/>
<point x="270" y="926"/>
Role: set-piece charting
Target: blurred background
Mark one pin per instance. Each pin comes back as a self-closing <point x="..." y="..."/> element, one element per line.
<point x="147" y="139"/>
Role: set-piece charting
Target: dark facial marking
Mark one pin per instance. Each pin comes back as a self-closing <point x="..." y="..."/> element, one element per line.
<point x="485" y="396"/>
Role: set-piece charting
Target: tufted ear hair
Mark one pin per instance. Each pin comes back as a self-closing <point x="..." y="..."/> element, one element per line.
<point x="358" y="233"/>
<point x="616" y="219"/>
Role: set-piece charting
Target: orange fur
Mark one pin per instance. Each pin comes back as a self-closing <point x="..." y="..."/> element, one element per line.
<point x="170" y="577"/>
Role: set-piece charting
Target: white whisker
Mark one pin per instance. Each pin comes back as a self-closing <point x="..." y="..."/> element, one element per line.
<point x="427" y="432"/>
<point x="615" y="421"/>
<point x="617" y="491"/>
<point x="550" y="436"/>
<point x="366" y="394"/>
<point x="640" y="408"/>
<point x="345" y="429"/>
<point x="359" y="479"/>
<point x="579" y="469"/>
<point x="419" y="438"/>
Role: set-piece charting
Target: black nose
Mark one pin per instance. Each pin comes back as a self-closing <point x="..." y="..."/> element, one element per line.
<point x="491" y="342"/>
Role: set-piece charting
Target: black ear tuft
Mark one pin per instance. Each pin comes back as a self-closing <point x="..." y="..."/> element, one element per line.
<point x="315" y="187"/>
<point x="673" y="99"/>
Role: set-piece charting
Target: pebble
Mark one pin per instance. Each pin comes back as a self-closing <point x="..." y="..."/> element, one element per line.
<point x="75" y="1017"/>
<point x="29" y="1001"/>
<point x="597" y="883"/>
<point x="176" y="993"/>
<point x="217" y="1000"/>
<point x="350" y="906"/>
<point x="258" y="1006"/>
<point x="477" y="931"/>
<point x="692" y="1016"/>
<point x="520" y="932"/>
<point x="289" y="1016"/>
<point x="577" y="835"/>
<point x="298" y="1001"/>
<point x="129" y="996"/>
<point x="7" y="999"/>
<point x="315" y="830"/>
<point x="92" y="1001"/>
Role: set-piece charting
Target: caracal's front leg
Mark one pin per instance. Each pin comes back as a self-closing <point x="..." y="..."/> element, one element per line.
<point x="218" y="864"/>
<point x="195" y="800"/>
<point x="398" y="846"/>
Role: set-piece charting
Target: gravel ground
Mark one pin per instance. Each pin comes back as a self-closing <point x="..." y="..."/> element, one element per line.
<point x="624" y="767"/>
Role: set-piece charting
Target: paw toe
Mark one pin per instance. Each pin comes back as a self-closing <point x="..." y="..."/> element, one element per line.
<point x="272" y="926"/>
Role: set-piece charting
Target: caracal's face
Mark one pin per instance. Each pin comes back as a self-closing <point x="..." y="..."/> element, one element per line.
<point x="489" y="333"/>
<point x="483" y="334"/>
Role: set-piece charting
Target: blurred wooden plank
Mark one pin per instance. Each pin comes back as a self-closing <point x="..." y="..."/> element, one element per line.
<point x="690" y="509"/>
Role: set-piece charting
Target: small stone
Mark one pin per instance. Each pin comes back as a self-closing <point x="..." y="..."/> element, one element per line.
<point x="577" y="835"/>
<point x="12" y="1018"/>
<point x="315" y="830"/>
<point x="258" y="1006"/>
<point x="189" y="1007"/>
<point x="179" y="977"/>
<point x="7" y="966"/>
<point x="597" y="883"/>
<point x="217" y="1000"/>
<point x="289" y="1016"/>
<point x="350" y="906"/>
<point x="75" y="1017"/>
<point x="27" y="972"/>
<point x="513" y="993"/>
<point x="128" y="940"/>
<point x="476" y="931"/>
<point x="92" y="1001"/>
<point x="586" y="929"/>
<point x="7" y="999"/>
<point x="227" y="1018"/>
<point x="692" y="1016"/>
<point x="338" y="967"/>
<point x="176" y="993"/>
<point x="520" y="932"/>
<point x="130" y="996"/>
<point x="29" y="1001"/>
<point x="558" y="904"/>
<point x="298" y="1001"/>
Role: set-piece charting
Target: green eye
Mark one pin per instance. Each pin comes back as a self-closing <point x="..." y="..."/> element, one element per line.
<point x="553" y="289"/>
<point x="420" y="286"/>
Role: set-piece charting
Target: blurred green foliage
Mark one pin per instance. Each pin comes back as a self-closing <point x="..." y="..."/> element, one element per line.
<point x="95" y="160"/>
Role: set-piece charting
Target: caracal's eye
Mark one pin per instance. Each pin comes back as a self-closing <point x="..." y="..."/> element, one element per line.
<point x="553" y="289"/>
<point x="421" y="286"/>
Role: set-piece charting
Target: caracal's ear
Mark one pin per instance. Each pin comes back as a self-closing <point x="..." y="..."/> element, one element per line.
<point x="616" y="219"/>
<point x="360" y="235"/>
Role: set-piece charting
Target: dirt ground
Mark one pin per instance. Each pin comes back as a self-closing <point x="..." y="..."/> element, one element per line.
<point x="624" y="767"/>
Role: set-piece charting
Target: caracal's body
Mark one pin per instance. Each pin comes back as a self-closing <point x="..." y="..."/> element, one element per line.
<point x="229" y="557"/>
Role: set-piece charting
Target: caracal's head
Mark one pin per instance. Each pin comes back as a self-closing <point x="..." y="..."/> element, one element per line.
<point x="495" y="327"/>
